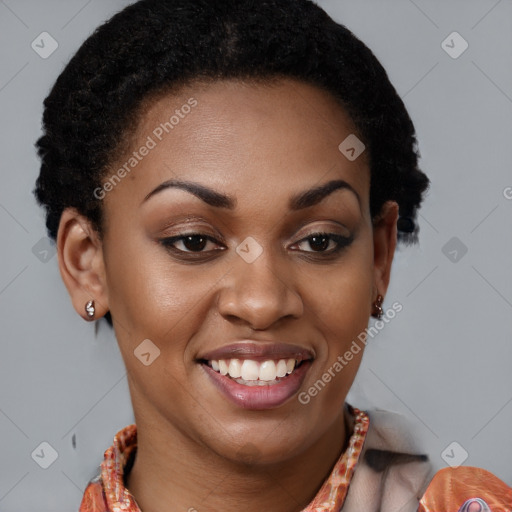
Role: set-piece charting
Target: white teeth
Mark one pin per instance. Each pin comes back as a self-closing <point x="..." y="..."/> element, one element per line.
<point x="250" y="372"/>
<point x="281" y="369"/>
<point x="251" y="383"/>
<point x="223" y="367"/>
<point x="267" y="371"/>
<point x="235" y="368"/>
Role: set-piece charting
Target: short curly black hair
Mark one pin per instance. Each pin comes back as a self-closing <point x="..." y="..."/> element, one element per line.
<point x="156" y="45"/>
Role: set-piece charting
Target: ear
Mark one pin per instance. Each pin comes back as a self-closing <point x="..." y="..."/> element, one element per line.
<point x="80" y="255"/>
<point x="384" y="244"/>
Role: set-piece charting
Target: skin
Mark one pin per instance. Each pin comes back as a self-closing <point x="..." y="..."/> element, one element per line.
<point x="260" y="144"/>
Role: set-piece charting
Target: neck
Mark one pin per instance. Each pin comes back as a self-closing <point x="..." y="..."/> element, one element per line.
<point x="170" y="470"/>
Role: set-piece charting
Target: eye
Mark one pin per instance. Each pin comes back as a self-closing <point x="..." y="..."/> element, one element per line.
<point x="321" y="243"/>
<point x="189" y="243"/>
<point x="327" y="243"/>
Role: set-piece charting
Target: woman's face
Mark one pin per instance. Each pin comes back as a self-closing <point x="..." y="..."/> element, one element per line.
<point x="256" y="286"/>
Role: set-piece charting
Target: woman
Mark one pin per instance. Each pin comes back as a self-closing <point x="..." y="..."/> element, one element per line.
<point x="226" y="183"/>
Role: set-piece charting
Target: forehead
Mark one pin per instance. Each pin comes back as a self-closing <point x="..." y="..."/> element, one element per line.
<point x="230" y="134"/>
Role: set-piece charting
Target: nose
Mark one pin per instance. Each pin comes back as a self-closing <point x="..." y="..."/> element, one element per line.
<point x="259" y="293"/>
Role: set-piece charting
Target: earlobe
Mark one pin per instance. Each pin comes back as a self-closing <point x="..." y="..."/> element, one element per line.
<point x="384" y="244"/>
<point x="81" y="265"/>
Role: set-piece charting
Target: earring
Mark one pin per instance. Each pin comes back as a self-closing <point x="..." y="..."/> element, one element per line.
<point x="377" y="307"/>
<point x="90" y="310"/>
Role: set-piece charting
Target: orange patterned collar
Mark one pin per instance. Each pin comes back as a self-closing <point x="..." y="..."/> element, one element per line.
<point x="107" y="492"/>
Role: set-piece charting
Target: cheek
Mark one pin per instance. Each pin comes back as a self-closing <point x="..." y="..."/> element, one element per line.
<point x="150" y="294"/>
<point x="347" y="307"/>
<point x="158" y="300"/>
<point x="151" y="300"/>
<point x="341" y="296"/>
<point x="342" y="317"/>
<point x="341" y="302"/>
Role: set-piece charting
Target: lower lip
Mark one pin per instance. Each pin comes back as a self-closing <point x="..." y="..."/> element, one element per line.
<point x="259" y="397"/>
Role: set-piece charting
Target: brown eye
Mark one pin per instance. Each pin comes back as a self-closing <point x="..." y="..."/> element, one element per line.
<point x="192" y="242"/>
<point x="319" y="242"/>
<point x="327" y="243"/>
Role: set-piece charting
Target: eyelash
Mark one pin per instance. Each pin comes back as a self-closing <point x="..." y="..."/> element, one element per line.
<point x="341" y="243"/>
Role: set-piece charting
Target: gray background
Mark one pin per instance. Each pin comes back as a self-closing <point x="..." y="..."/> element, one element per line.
<point x="444" y="361"/>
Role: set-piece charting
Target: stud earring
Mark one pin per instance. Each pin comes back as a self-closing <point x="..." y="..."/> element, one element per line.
<point x="90" y="310"/>
<point x="377" y="307"/>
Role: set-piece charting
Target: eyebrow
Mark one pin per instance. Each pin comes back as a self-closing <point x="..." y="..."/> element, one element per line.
<point x="211" y="197"/>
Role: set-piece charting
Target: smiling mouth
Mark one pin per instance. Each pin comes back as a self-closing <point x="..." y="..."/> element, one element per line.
<point x="250" y="372"/>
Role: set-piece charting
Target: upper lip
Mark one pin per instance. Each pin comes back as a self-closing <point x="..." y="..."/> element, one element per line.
<point x="258" y="351"/>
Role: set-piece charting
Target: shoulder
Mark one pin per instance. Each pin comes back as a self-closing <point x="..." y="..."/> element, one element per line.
<point x="456" y="489"/>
